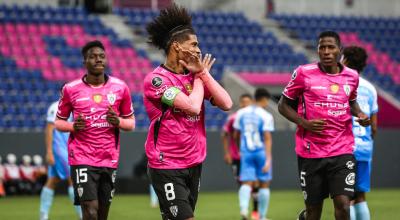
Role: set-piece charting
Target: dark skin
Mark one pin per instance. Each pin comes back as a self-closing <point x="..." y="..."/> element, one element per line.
<point x="329" y="52"/>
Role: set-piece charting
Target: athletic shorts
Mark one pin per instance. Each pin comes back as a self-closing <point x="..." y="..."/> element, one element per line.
<point x="93" y="183"/>
<point x="321" y="177"/>
<point x="363" y="177"/>
<point x="60" y="169"/>
<point x="177" y="191"/>
<point x="251" y="165"/>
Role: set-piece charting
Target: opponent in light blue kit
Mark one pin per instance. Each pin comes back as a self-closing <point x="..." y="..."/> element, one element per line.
<point x="57" y="159"/>
<point x="355" y="58"/>
<point x="253" y="124"/>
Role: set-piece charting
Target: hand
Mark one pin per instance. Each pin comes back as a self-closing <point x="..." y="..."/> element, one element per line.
<point x="50" y="159"/>
<point x="112" y="116"/>
<point x="79" y="123"/>
<point x="363" y="119"/>
<point x="266" y="166"/>
<point x="315" y="125"/>
<point x="228" y="158"/>
<point x="208" y="62"/>
<point x="192" y="61"/>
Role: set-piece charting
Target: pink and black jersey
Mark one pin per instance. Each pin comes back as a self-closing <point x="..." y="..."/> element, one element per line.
<point x="324" y="96"/>
<point x="175" y="139"/>
<point x="228" y="128"/>
<point x="98" y="144"/>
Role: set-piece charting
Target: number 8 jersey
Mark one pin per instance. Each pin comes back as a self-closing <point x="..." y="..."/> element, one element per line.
<point x="252" y="122"/>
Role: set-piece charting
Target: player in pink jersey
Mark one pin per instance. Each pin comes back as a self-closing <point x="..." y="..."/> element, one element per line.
<point x="326" y="93"/>
<point x="101" y="105"/>
<point x="174" y="95"/>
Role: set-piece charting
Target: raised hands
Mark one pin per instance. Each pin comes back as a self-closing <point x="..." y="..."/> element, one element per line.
<point x="194" y="63"/>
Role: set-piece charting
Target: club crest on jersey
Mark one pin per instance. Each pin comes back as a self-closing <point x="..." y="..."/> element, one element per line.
<point x="346" y="89"/>
<point x="174" y="210"/>
<point x="80" y="191"/>
<point x="157" y="81"/>
<point x="334" y="88"/>
<point x="97" y="98"/>
<point x="189" y="88"/>
<point x="111" y="97"/>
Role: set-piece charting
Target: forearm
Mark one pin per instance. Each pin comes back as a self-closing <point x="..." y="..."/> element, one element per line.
<point x="288" y="112"/>
<point x="374" y="125"/>
<point x="191" y="104"/>
<point x="49" y="138"/>
<point x="268" y="146"/>
<point x="63" y="125"/>
<point x="127" y="124"/>
<point x="225" y="142"/>
<point x="220" y="96"/>
<point x="355" y="108"/>
<point x="236" y="137"/>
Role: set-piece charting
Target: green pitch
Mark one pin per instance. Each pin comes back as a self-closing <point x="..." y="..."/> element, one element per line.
<point x="384" y="204"/>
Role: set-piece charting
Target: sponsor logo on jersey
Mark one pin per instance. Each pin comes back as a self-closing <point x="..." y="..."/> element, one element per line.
<point x="350" y="179"/>
<point x="111" y="97"/>
<point x="334" y="88"/>
<point x="318" y="87"/>
<point x="97" y="98"/>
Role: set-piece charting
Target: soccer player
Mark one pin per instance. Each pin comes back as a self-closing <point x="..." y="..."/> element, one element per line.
<point x="327" y="93"/>
<point x="174" y="95"/>
<point x="356" y="58"/>
<point x="253" y="126"/>
<point x="101" y="106"/>
<point x="57" y="160"/>
<point x="231" y="151"/>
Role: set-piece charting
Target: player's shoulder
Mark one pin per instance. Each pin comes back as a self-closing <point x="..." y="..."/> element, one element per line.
<point x="117" y="81"/>
<point x="310" y="67"/>
<point x="74" y="83"/>
<point x="351" y="72"/>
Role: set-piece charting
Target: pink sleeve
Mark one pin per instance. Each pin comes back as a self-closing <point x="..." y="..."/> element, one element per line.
<point x="296" y="85"/>
<point x="219" y="96"/>
<point x="228" y="124"/>
<point x="64" y="105"/>
<point x="126" y="108"/>
<point x="155" y="86"/>
<point x="191" y="104"/>
<point x="353" y="94"/>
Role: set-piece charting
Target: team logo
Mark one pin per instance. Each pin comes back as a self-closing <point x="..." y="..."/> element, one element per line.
<point x="350" y="165"/>
<point x="80" y="191"/>
<point x="111" y="97"/>
<point x="334" y="88"/>
<point x="305" y="195"/>
<point x="113" y="176"/>
<point x="350" y="179"/>
<point x="346" y="89"/>
<point x="174" y="210"/>
<point x="97" y="98"/>
<point x="156" y="82"/>
<point x="189" y="88"/>
<point x="294" y="74"/>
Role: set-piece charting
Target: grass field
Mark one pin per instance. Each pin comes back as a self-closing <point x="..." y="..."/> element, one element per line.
<point x="384" y="204"/>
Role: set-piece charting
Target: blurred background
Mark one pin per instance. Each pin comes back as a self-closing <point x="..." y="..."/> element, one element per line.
<point x="257" y="44"/>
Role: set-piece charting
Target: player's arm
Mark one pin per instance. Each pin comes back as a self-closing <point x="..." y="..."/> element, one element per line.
<point x="285" y="108"/>
<point x="374" y="125"/>
<point x="63" y="113"/>
<point x="268" y="150"/>
<point x="225" y="145"/>
<point x="362" y="118"/>
<point x="48" y="134"/>
<point x="126" y="123"/>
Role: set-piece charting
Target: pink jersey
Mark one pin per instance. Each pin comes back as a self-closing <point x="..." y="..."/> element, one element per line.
<point x="98" y="144"/>
<point x="324" y="96"/>
<point x="228" y="128"/>
<point x="181" y="138"/>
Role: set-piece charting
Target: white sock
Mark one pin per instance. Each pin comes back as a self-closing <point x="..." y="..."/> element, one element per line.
<point x="244" y="199"/>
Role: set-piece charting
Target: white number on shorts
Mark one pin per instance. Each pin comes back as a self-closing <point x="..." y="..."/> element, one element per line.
<point x="81" y="175"/>
<point x="169" y="191"/>
<point x="302" y="178"/>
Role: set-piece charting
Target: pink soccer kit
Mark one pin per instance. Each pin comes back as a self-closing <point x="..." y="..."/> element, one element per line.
<point x="228" y="128"/>
<point x="324" y="96"/>
<point x="98" y="144"/>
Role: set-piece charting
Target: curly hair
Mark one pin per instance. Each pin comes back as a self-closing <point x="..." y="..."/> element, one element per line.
<point x="172" y="24"/>
<point x="356" y="57"/>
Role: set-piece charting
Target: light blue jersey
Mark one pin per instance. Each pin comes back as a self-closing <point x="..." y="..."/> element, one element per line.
<point x="252" y="122"/>
<point x="367" y="99"/>
<point x="60" y="168"/>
